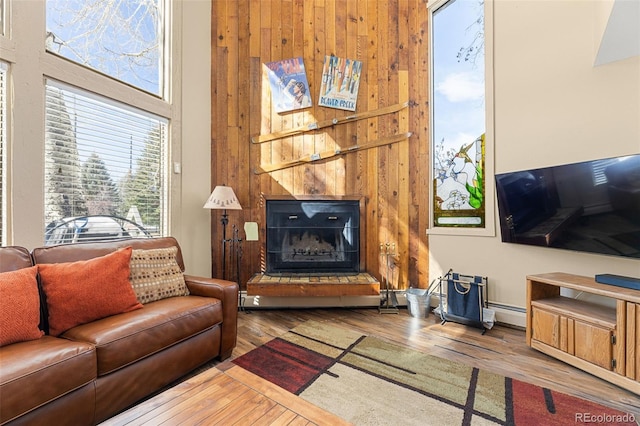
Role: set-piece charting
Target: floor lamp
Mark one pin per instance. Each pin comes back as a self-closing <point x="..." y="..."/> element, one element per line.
<point x="223" y="198"/>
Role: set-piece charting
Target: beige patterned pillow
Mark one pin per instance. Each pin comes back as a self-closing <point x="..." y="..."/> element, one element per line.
<point x="155" y="274"/>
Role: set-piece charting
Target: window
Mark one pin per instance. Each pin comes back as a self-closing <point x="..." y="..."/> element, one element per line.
<point x="93" y="117"/>
<point x="458" y="114"/>
<point x="120" y="38"/>
<point x="3" y="154"/>
<point x="102" y="158"/>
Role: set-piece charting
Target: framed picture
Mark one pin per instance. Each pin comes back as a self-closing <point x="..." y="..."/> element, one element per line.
<point x="289" y="85"/>
<point x="340" y="82"/>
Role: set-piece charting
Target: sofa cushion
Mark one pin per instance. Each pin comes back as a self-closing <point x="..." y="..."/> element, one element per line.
<point x="86" y="290"/>
<point x="13" y="258"/>
<point x="123" y="339"/>
<point x="19" y="306"/>
<point x="39" y="371"/>
<point x="156" y="275"/>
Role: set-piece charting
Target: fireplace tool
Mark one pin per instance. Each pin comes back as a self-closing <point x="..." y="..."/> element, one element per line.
<point x="236" y="242"/>
<point x="390" y="303"/>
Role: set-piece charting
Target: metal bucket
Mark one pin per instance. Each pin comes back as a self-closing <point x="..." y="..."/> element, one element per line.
<point x="418" y="302"/>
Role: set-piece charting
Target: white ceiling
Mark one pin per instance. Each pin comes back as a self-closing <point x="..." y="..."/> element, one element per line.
<point x="621" y="39"/>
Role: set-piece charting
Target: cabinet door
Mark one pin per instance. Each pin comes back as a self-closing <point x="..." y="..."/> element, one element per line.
<point x="546" y="327"/>
<point x="593" y="344"/>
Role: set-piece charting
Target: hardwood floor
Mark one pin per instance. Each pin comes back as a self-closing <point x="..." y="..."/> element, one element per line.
<point x="501" y="350"/>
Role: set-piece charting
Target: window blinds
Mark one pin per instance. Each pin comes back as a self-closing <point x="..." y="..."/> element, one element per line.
<point x="103" y="158"/>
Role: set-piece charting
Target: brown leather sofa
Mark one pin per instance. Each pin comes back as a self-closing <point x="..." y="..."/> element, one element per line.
<point x="95" y="370"/>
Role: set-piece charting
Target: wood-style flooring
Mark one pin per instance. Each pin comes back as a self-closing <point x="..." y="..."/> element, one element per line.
<point x="501" y="349"/>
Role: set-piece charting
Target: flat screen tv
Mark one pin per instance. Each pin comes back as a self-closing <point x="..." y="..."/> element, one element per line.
<point x="593" y="206"/>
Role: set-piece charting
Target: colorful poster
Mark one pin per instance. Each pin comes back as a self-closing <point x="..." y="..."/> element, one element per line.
<point x="289" y="85"/>
<point x="340" y="82"/>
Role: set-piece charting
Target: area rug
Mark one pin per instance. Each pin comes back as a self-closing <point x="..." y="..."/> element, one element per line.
<point x="369" y="381"/>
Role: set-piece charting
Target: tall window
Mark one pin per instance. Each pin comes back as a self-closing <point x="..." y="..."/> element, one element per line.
<point x="3" y="154"/>
<point x="458" y="114"/>
<point x="120" y="38"/>
<point x="102" y="158"/>
<point x="105" y="171"/>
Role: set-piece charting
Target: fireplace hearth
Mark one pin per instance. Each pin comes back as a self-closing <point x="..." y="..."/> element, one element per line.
<point x="312" y="236"/>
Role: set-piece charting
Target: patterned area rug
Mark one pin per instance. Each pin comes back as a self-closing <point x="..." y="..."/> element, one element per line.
<point x="368" y="381"/>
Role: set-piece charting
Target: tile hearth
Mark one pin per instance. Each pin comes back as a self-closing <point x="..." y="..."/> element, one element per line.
<point x="361" y="284"/>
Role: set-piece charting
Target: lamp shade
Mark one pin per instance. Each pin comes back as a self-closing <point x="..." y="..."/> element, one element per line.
<point x="222" y="198"/>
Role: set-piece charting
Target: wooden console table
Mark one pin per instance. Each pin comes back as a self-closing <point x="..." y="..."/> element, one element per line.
<point x="598" y="339"/>
<point x="362" y="284"/>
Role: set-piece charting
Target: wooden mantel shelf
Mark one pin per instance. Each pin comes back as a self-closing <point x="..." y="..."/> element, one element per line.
<point x="362" y="284"/>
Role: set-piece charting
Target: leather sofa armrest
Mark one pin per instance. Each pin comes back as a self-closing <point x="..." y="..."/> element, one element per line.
<point x="227" y="292"/>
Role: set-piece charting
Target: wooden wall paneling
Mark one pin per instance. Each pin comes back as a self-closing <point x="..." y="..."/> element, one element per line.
<point x="255" y="13"/>
<point x="403" y="185"/>
<point x="304" y="116"/>
<point x="387" y="164"/>
<point x="232" y="149"/>
<point x="218" y="22"/>
<point x="289" y="118"/>
<point x="264" y="187"/>
<point x="309" y="51"/>
<point x="348" y="137"/>
<point x="359" y="175"/>
<point x="244" y="177"/>
<point x="404" y="198"/>
<point x="278" y="154"/>
<point x="245" y="82"/>
<point x="389" y="37"/>
<point x="220" y="170"/>
<point x="265" y="103"/>
<point x="419" y="123"/>
<point x="374" y="237"/>
<point x="233" y="80"/>
<point x="341" y="140"/>
<point x="317" y="182"/>
<point x="325" y="42"/>
<point x="251" y="249"/>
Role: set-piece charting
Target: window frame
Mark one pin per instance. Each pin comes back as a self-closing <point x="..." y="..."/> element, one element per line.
<point x="30" y="67"/>
<point x="4" y="126"/>
<point x="489" y="190"/>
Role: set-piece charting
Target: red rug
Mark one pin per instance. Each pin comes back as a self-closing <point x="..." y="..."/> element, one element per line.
<point x="370" y="381"/>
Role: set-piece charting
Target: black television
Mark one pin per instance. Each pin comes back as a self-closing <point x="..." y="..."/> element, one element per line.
<point x="592" y="206"/>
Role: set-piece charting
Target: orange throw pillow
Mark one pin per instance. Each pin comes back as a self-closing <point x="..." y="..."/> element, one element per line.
<point x="87" y="290"/>
<point x="19" y="306"/>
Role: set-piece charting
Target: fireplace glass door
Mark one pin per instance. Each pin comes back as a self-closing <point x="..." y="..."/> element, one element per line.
<point x="313" y="236"/>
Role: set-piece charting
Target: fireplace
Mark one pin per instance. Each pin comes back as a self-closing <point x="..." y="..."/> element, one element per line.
<point x="312" y="236"/>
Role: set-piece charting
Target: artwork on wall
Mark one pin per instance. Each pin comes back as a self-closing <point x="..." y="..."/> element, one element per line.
<point x="340" y="82"/>
<point x="289" y="85"/>
<point x="458" y="184"/>
<point x="458" y="116"/>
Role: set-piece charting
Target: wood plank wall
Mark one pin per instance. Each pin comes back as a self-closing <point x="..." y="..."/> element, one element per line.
<point x="390" y="37"/>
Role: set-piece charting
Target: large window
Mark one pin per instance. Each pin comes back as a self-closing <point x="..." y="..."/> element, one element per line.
<point x="102" y="158"/>
<point x="120" y="38"/>
<point x="94" y="119"/>
<point x="458" y="114"/>
<point x="105" y="161"/>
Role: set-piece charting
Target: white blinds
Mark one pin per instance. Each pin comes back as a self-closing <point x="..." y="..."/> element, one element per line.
<point x="103" y="158"/>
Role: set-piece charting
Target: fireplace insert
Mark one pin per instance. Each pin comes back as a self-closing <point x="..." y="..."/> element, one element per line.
<point x="313" y="236"/>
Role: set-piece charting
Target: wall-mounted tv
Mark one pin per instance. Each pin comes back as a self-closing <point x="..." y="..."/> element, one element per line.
<point x="593" y="206"/>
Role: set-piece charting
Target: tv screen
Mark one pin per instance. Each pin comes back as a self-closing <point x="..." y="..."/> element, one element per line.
<point x="593" y="206"/>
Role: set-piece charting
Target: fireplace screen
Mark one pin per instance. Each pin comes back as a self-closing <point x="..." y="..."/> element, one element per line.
<point x="318" y="236"/>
